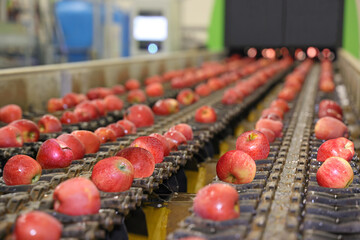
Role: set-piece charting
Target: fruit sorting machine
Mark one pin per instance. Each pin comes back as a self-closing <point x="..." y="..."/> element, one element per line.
<point x="284" y="199"/>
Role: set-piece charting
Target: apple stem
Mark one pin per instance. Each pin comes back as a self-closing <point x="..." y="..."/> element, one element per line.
<point x="251" y="137"/>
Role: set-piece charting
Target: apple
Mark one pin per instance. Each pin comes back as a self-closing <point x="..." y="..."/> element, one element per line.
<point x="29" y="130"/>
<point x="175" y="136"/>
<point x="166" y="106"/>
<point x="280" y="103"/>
<point x="231" y="96"/>
<point x="205" y="114"/>
<point x="328" y="128"/>
<point x="187" y="97"/>
<point x="49" y="124"/>
<point x="86" y="111"/>
<point x="327" y="86"/>
<point x="215" y="83"/>
<point x="185" y="129"/>
<point x="89" y="139"/>
<point x="76" y="146"/>
<point x="77" y="196"/>
<point x="93" y="94"/>
<point x="69" y="117"/>
<point x="153" y="79"/>
<point x="236" y="167"/>
<point x="330" y="104"/>
<point x="104" y="92"/>
<point x="273" y="111"/>
<point x="105" y="135"/>
<point x="113" y="103"/>
<point x="338" y="147"/>
<point x="270" y="135"/>
<point x="70" y="100"/>
<point x="54" y="153"/>
<point x="164" y="142"/>
<point x="154" y="90"/>
<point x="203" y="90"/>
<point x="100" y="106"/>
<point x="141" y="159"/>
<point x="132" y="84"/>
<point x="254" y="143"/>
<point x="128" y="126"/>
<point x="273" y="125"/>
<point x="37" y="225"/>
<point x="329" y="113"/>
<point x="153" y="145"/>
<point x="218" y="202"/>
<point x="10" y="113"/>
<point x="113" y="174"/>
<point x="81" y="98"/>
<point x="55" y="104"/>
<point x="140" y="114"/>
<point x="10" y="137"/>
<point x="287" y="94"/>
<point x="136" y="96"/>
<point x="118" y="89"/>
<point x="335" y="172"/>
<point x="117" y="128"/>
<point x="20" y="170"/>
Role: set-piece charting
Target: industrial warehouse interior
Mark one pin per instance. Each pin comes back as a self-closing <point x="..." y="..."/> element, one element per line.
<point x="179" y="119"/>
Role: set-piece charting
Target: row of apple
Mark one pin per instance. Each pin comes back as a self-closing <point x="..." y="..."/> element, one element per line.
<point x="219" y="201"/>
<point x="137" y="154"/>
<point x="337" y="150"/>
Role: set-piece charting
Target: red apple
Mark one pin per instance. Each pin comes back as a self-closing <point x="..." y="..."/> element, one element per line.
<point x="132" y="84"/>
<point x="287" y="94"/>
<point x="37" y="225"/>
<point x="328" y="128"/>
<point x="185" y="129"/>
<point x="254" y="143"/>
<point x="105" y="135"/>
<point x="54" y="153"/>
<point x="236" y="167"/>
<point x="338" y="147"/>
<point x="275" y="126"/>
<point x="77" y="196"/>
<point x="49" y="124"/>
<point x="153" y="79"/>
<point x="215" y="83"/>
<point x="231" y="96"/>
<point x="166" y="106"/>
<point x="205" y="114"/>
<point x="69" y="118"/>
<point x="141" y="159"/>
<point x="136" y="96"/>
<point x="329" y="104"/>
<point x="20" y="170"/>
<point x="70" y="100"/>
<point x="164" y="142"/>
<point x="175" y="136"/>
<point x="140" y="114"/>
<point x="113" y="174"/>
<point x="327" y="86"/>
<point x="10" y="137"/>
<point x="187" y="97"/>
<point x="10" y="113"/>
<point x="81" y="97"/>
<point x="329" y="113"/>
<point x="104" y="92"/>
<point x="113" y="103"/>
<point x="100" y="106"/>
<point x="203" y="90"/>
<point x="128" y="126"/>
<point x="335" y="172"/>
<point x="117" y="128"/>
<point x="89" y="139"/>
<point x="273" y="111"/>
<point x="118" y="89"/>
<point x="154" y="90"/>
<point x="55" y="104"/>
<point x="76" y="146"/>
<point x="153" y="145"/>
<point x="218" y="202"/>
<point x="270" y="135"/>
<point x="29" y="130"/>
<point x="280" y="103"/>
<point x="86" y="111"/>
